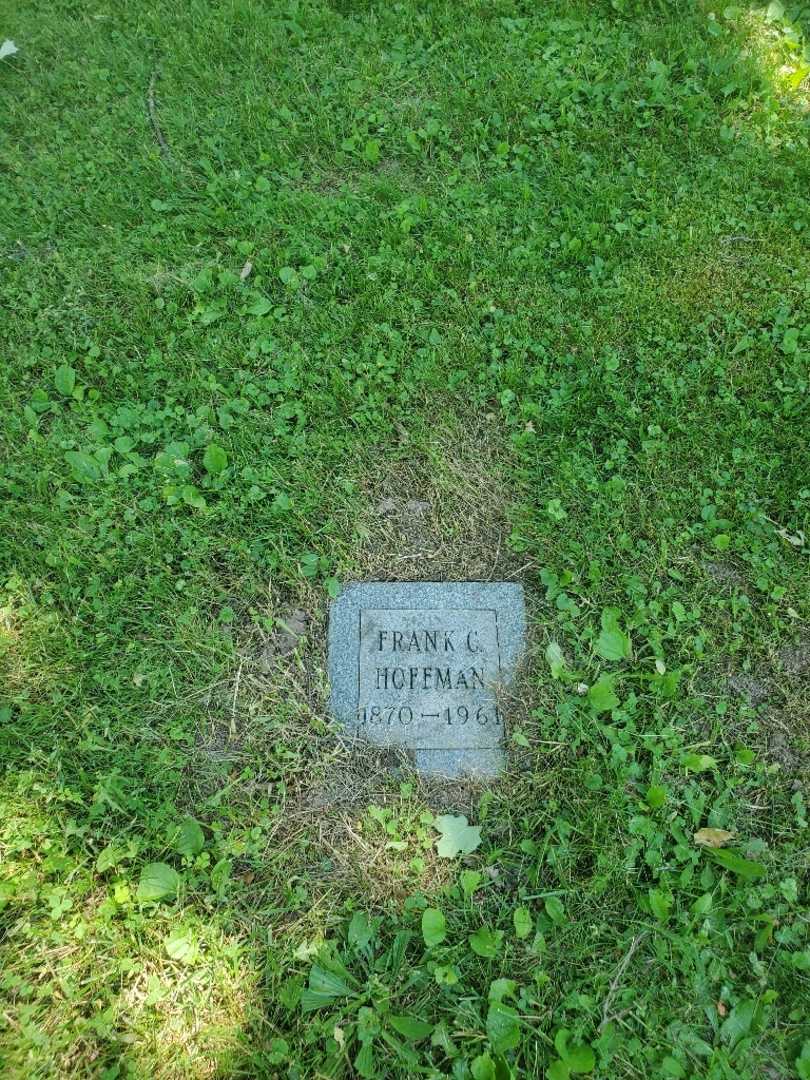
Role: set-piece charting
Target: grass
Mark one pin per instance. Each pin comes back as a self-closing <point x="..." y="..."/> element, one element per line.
<point x="301" y="293"/>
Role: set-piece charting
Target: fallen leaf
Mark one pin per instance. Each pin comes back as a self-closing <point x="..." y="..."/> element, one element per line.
<point x="458" y="838"/>
<point x="797" y="539"/>
<point x="556" y="660"/>
<point x="712" y="837"/>
<point x="721" y="1009"/>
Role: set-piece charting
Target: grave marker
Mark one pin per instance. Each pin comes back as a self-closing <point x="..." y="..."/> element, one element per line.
<point x="418" y="665"/>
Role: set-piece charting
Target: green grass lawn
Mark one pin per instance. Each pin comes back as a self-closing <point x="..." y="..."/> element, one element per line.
<point x="298" y="293"/>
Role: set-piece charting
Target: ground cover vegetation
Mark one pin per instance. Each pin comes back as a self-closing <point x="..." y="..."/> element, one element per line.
<point x="306" y="292"/>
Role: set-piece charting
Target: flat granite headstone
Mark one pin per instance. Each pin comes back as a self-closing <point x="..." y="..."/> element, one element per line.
<point x="417" y="665"/>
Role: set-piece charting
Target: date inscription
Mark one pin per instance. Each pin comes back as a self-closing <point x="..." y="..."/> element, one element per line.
<point x="405" y="714"/>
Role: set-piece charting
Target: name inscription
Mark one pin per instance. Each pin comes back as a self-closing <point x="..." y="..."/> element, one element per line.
<point x="428" y="678"/>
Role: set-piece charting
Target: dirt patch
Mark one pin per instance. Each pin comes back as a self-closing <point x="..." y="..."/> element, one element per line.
<point x="795" y="659"/>
<point x="725" y="574"/>
<point x="265" y="737"/>
<point x="438" y="511"/>
<point x="362" y="774"/>
<point x="290" y="627"/>
<point x="433" y="510"/>
<point x="789" y="726"/>
<point x="277" y="680"/>
<point x="19" y="252"/>
<point x="336" y="806"/>
<point x="781" y="749"/>
<point x="755" y="691"/>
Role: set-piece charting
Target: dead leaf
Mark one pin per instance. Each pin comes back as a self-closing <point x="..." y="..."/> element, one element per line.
<point x="797" y="539"/>
<point x="713" y="838"/>
<point x="721" y="1009"/>
<point x="246" y="269"/>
